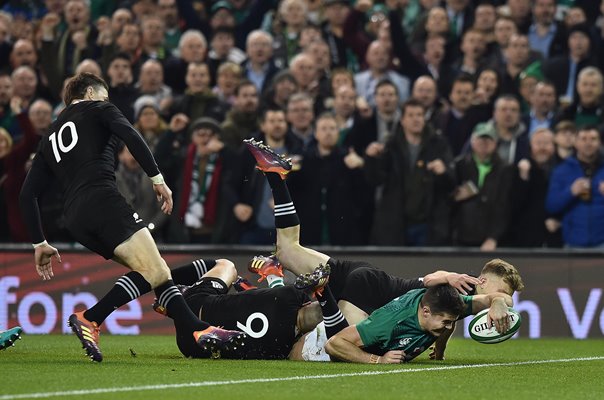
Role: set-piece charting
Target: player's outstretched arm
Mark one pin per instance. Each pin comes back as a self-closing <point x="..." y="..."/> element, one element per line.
<point x="438" y="350"/>
<point x="346" y="346"/>
<point x="461" y="282"/>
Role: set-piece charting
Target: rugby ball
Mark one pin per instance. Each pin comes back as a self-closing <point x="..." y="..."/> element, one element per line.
<point x="483" y="333"/>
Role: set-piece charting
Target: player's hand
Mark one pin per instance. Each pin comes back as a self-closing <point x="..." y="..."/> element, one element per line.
<point x="489" y="244"/>
<point x="462" y="282"/>
<point x="164" y="194"/>
<point x="436" y="354"/>
<point x="43" y="257"/>
<point x="498" y="316"/>
<point x="393" y="357"/>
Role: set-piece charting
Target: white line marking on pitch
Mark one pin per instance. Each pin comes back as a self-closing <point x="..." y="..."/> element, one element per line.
<point x="283" y="379"/>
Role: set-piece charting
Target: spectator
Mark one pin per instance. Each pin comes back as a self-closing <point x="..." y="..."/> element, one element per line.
<point x="485" y="16"/>
<point x="280" y="90"/>
<point x="361" y="27"/>
<point x="504" y="29"/>
<point x="305" y="70"/>
<point x="89" y="66"/>
<point x="122" y="92"/>
<point x="325" y="190"/>
<point x="563" y="70"/>
<point x="259" y="66"/>
<point x="229" y="76"/>
<point x="242" y="120"/>
<point x="517" y="55"/>
<point x="588" y="108"/>
<point x="480" y="215"/>
<point x="128" y="42"/>
<point x="460" y="16"/>
<point x="13" y="156"/>
<point x="520" y="13"/>
<point x="336" y="12"/>
<point x="487" y="87"/>
<point x="378" y="59"/>
<point x="456" y="125"/>
<point x="191" y="49"/>
<point x="412" y="165"/>
<point x="576" y="192"/>
<point x="201" y="205"/>
<point x="25" y="82"/>
<point x="147" y="120"/>
<point x="546" y="35"/>
<point x="530" y="225"/>
<point x="152" y="43"/>
<point x="473" y="48"/>
<point x="512" y="135"/>
<point x="293" y="14"/>
<point x="435" y="23"/>
<point x="543" y="108"/>
<point x="151" y="83"/>
<point x="300" y="116"/>
<point x="426" y="93"/>
<point x="382" y="123"/>
<point x="62" y="52"/>
<point x="198" y="100"/>
<point x="344" y="110"/>
<point x="564" y="138"/>
<point x="222" y="49"/>
<point x="168" y="13"/>
<point x="119" y="19"/>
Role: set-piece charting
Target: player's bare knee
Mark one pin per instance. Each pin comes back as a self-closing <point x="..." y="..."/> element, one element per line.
<point x="227" y="268"/>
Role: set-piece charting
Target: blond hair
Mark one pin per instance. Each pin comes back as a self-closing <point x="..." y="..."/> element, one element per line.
<point x="505" y="271"/>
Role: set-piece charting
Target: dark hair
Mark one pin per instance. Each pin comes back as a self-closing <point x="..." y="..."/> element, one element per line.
<point x="462" y="78"/>
<point x="76" y="88"/>
<point x="411" y="103"/>
<point x="225" y="30"/>
<point x="443" y="299"/>
<point x="589" y="127"/>
<point x="266" y="110"/>
<point x="243" y="83"/>
<point x="385" y="82"/>
<point x="120" y="56"/>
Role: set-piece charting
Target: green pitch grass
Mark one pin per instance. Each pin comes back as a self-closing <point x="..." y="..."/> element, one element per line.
<point x="54" y="367"/>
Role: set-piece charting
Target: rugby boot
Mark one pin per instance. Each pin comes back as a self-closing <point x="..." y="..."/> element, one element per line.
<point x="315" y="281"/>
<point x="8" y="337"/>
<point x="241" y="284"/>
<point x="216" y="339"/>
<point x="267" y="160"/>
<point x="265" y="266"/>
<point x="88" y="333"/>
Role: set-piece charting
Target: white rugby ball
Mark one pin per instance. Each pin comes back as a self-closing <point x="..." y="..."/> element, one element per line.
<point x="483" y="333"/>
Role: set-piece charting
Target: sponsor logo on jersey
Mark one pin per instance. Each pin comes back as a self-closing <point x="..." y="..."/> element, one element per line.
<point x="217" y="285"/>
<point x="136" y="218"/>
<point x="404" y="342"/>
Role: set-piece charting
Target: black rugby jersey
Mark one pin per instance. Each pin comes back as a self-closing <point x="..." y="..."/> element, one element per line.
<point x="267" y="316"/>
<point x="79" y="154"/>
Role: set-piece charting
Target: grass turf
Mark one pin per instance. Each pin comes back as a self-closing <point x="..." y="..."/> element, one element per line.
<point x="42" y="365"/>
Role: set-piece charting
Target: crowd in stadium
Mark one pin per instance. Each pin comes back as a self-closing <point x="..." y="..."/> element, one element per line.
<point x="408" y="122"/>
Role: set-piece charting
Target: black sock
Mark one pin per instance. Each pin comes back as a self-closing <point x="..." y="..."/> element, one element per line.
<point x="332" y="316"/>
<point x="171" y="299"/>
<point x="285" y="212"/>
<point x="191" y="273"/>
<point x="127" y="288"/>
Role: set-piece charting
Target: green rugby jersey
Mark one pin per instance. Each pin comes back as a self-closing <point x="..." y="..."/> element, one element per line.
<point x="395" y="327"/>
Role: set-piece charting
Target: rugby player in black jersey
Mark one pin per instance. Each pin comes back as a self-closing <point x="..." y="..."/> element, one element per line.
<point x="78" y="155"/>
